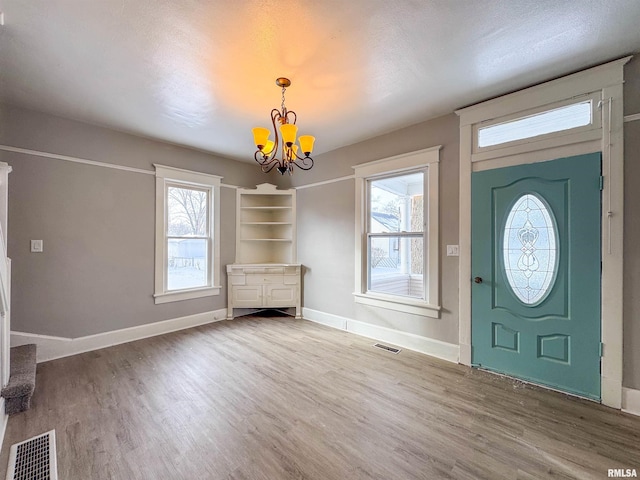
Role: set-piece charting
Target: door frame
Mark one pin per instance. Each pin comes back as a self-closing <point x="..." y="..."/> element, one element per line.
<point x="606" y="81"/>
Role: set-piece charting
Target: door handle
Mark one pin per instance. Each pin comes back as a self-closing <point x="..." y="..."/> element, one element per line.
<point x="478" y="279"/>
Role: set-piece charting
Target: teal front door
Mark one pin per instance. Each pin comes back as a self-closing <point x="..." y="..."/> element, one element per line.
<point x="535" y="258"/>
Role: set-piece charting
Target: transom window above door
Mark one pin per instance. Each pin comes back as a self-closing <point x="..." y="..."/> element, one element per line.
<point x="553" y="120"/>
<point x="564" y="122"/>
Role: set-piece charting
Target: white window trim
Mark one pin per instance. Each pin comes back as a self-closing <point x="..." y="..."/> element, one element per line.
<point x="605" y="80"/>
<point x="427" y="159"/>
<point x="171" y="175"/>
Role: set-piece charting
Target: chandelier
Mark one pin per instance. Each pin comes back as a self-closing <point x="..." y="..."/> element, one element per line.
<point x="266" y="154"/>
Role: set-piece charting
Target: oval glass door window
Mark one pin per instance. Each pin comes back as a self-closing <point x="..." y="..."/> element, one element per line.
<point x="530" y="249"/>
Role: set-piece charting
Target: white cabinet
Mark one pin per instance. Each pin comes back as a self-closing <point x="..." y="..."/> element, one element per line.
<point x="265" y="274"/>
<point x="245" y="296"/>
<point x="263" y="286"/>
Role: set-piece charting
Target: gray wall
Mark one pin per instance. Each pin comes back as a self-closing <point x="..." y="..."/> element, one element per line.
<point x="96" y="273"/>
<point x="326" y="242"/>
<point x="326" y="231"/>
<point x="632" y="227"/>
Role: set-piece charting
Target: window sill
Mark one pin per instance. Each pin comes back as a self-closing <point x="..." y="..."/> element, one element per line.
<point x="400" y="304"/>
<point x="179" y="295"/>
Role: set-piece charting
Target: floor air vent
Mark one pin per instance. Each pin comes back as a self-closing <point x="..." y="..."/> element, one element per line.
<point x="34" y="459"/>
<point x="387" y="348"/>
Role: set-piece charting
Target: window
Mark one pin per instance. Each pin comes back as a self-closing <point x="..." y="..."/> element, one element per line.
<point x="397" y="222"/>
<point x="395" y="235"/>
<point x="563" y="122"/>
<point x="187" y="228"/>
<point x="549" y="121"/>
<point x="188" y="237"/>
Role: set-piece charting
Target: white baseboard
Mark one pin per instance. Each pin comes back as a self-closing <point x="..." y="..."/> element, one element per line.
<point x="465" y="354"/>
<point x="428" y="346"/>
<point x="611" y="392"/>
<point x="50" y="348"/>
<point x="328" y="319"/>
<point x="631" y="401"/>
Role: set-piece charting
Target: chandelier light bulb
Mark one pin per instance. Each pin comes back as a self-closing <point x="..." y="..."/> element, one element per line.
<point x="260" y="136"/>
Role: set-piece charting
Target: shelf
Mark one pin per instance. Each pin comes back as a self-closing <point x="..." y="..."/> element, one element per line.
<point x="266" y="240"/>
<point x="270" y="207"/>
<point x="267" y="217"/>
<point x="266" y="223"/>
<point x="281" y="199"/>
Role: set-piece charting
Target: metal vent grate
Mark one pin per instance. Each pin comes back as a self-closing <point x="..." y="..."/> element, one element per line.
<point x="387" y="348"/>
<point x="34" y="459"/>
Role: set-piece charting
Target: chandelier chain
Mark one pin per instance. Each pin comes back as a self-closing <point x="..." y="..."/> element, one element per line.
<point x="282" y="105"/>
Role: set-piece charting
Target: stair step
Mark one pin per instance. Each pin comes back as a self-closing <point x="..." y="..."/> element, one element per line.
<point x="22" y="379"/>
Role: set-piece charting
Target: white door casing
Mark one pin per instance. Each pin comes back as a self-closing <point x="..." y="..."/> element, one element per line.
<point x="606" y="81"/>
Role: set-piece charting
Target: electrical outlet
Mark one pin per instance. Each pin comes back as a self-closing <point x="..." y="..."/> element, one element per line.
<point x="36" y="246"/>
<point x="453" y="251"/>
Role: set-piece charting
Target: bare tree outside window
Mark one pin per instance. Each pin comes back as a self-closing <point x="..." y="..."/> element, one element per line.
<point x="187" y="237"/>
<point x="188" y="211"/>
<point x="385" y="202"/>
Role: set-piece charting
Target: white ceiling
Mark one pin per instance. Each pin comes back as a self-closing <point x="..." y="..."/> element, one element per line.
<point x="202" y="73"/>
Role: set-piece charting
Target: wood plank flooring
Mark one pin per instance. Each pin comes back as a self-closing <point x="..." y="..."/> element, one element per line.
<point x="273" y="398"/>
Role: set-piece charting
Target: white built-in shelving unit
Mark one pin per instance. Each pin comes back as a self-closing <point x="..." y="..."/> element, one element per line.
<point x="266" y="225"/>
<point x="265" y="273"/>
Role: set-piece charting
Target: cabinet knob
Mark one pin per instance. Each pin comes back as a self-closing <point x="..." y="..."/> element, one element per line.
<point x="478" y="279"/>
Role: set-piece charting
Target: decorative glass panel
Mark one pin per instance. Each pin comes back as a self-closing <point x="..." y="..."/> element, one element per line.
<point x="530" y="249"/>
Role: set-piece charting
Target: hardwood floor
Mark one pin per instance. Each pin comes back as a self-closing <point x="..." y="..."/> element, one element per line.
<point x="274" y="398"/>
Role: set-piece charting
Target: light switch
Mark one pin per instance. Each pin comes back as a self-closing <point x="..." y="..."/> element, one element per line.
<point x="36" y="246"/>
<point x="453" y="251"/>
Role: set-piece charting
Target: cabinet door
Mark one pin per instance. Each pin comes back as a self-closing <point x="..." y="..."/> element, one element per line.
<point x="280" y="295"/>
<point x="246" y="296"/>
